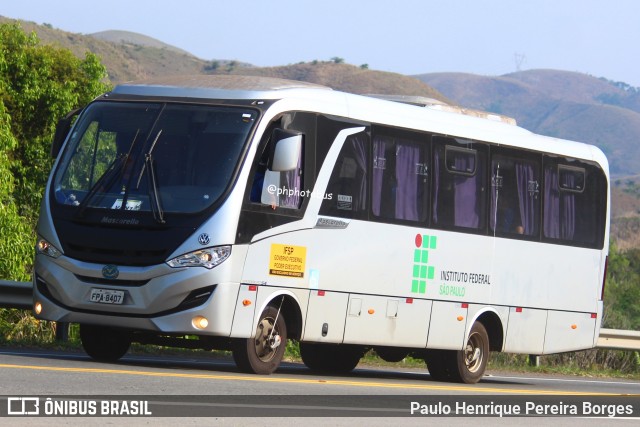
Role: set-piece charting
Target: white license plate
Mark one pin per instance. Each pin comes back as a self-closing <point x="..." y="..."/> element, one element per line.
<point x="106" y="296"/>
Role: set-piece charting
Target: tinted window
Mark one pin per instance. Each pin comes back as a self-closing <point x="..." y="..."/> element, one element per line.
<point x="346" y="194"/>
<point x="515" y="194"/>
<point x="400" y="174"/>
<point x="575" y="197"/>
<point x="459" y="184"/>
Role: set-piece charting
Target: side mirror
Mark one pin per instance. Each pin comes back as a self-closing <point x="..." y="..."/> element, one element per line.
<point x="62" y="130"/>
<point x="287" y="147"/>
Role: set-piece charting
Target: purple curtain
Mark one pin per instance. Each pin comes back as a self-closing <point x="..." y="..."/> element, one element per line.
<point x="379" y="164"/>
<point x="465" y="195"/>
<point x="559" y="207"/>
<point x="527" y="194"/>
<point x="551" y="219"/>
<point x="293" y="181"/>
<point x="436" y="183"/>
<point x="407" y="157"/>
<point x="495" y="189"/>
<point x="568" y="228"/>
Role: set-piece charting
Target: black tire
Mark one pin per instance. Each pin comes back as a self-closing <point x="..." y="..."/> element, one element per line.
<point x="331" y="358"/>
<point x="392" y="354"/>
<point x="263" y="353"/>
<point x="103" y="343"/>
<point x="471" y="361"/>
<point x="437" y="364"/>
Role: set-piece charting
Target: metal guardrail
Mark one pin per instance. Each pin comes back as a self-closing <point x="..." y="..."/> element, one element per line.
<point x="616" y="339"/>
<point x="16" y="295"/>
<point x="19" y="295"/>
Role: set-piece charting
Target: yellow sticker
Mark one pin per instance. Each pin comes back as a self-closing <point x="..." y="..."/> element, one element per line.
<point x="287" y="260"/>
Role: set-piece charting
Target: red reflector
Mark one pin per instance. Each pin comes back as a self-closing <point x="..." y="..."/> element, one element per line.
<point x="253" y="288"/>
<point x="465" y="305"/>
<point x="594" y="315"/>
<point x="320" y="293"/>
<point x="409" y="300"/>
<point x="518" y="309"/>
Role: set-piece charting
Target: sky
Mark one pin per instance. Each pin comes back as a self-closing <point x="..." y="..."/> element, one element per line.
<point x="486" y="37"/>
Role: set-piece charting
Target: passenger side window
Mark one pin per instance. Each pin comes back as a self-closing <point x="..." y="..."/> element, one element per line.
<point x="574" y="200"/>
<point x="459" y="181"/>
<point x="515" y="195"/>
<point x="346" y="194"/>
<point x="399" y="187"/>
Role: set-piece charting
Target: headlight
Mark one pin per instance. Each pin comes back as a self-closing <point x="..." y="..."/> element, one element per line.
<point x="45" y="248"/>
<point x="208" y="258"/>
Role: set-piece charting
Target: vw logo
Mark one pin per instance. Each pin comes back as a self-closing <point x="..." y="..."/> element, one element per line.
<point x="110" y="271"/>
<point x="204" y="239"/>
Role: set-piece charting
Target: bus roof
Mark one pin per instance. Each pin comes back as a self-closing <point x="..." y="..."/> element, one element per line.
<point x="395" y="111"/>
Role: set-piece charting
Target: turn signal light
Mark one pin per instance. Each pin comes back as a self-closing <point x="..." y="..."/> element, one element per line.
<point x="246" y="302"/>
<point x="37" y="307"/>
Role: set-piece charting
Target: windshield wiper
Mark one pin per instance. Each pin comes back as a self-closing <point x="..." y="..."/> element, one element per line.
<point x="114" y="171"/>
<point x="154" y="194"/>
<point x="153" y="145"/>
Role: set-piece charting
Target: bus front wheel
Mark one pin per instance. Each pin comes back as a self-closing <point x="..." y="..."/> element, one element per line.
<point x="103" y="343"/>
<point x="263" y="353"/>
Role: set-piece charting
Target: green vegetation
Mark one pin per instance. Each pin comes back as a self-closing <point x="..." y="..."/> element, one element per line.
<point x="38" y="85"/>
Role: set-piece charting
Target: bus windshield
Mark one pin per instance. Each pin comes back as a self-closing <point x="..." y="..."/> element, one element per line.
<point x="151" y="157"/>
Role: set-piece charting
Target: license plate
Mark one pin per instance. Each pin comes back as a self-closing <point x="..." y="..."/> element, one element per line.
<point x="106" y="296"/>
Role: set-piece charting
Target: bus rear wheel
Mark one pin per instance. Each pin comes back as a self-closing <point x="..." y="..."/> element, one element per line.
<point x="464" y="366"/>
<point x="263" y="353"/>
<point x="331" y="358"/>
<point x="472" y="360"/>
<point x="103" y="343"/>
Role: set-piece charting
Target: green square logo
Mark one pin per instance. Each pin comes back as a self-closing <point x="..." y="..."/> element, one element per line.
<point x="423" y="287"/>
<point x="423" y="271"/>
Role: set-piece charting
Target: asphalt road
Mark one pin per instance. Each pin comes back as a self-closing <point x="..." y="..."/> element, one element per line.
<point x="213" y="391"/>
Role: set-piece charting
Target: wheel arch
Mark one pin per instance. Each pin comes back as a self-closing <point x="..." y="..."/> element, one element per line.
<point x="492" y="322"/>
<point x="290" y="310"/>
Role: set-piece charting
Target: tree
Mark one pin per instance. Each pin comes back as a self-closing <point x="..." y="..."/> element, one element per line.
<point x="38" y="85"/>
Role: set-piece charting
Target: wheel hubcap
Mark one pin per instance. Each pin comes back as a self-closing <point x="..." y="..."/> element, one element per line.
<point x="267" y="339"/>
<point x="473" y="356"/>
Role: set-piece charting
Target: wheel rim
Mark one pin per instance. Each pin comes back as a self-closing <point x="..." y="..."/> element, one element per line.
<point x="267" y="339"/>
<point x="473" y="354"/>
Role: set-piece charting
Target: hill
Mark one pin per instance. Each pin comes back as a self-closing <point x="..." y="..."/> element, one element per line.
<point x="130" y="38"/>
<point x="124" y="60"/>
<point x="345" y="77"/>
